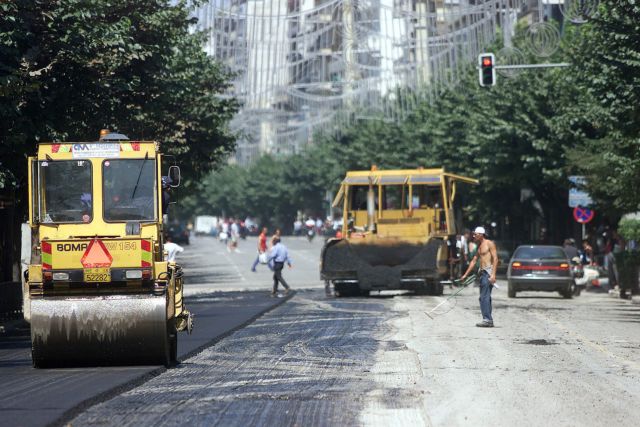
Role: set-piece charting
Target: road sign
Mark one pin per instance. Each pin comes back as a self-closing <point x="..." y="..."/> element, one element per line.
<point x="578" y="197"/>
<point x="583" y="215"/>
<point x="96" y="255"/>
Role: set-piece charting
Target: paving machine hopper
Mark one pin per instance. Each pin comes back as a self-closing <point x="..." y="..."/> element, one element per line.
<point x="395" y="227"/>
<point x="97" y="290"/>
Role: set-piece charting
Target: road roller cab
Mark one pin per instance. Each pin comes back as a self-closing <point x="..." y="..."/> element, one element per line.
<point x="395" y="227"/>
<point x="97" y="289"/>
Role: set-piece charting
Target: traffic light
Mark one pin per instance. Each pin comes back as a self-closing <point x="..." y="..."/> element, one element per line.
<point x="486" y="69"/>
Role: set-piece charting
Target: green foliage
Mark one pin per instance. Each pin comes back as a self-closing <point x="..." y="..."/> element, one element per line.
<point x="528" y="132"/>
<point x="607" y="72"/>
<point x="72" y="67"/>
<point x="629" y="228"/>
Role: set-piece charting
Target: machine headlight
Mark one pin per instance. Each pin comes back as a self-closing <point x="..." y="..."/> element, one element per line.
<point x="60" y="276"/>
<point x="133" y="274"/>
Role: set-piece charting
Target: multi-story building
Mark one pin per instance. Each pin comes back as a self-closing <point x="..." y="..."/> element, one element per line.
<point x="304" y="65"/>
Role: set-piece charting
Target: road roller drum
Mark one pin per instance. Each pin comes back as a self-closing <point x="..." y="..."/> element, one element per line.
<point x="101" y="331"/>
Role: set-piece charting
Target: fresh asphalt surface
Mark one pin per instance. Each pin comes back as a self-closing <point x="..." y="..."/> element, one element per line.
<point x="217" y="292"/>
<point x="370" y="361"/>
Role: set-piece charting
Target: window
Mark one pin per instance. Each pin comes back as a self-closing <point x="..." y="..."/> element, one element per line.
<point x="64" y="192"/>
<point x="359" y="197"/>
<point x="539" y="252"/>
<point x="395" y="196"/>
<point x="129" y="190"/>
<point x="426" y="196"/>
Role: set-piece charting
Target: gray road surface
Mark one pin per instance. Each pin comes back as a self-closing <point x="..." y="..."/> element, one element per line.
<point x="215" y="279"/>
<point x="382" y="361"/>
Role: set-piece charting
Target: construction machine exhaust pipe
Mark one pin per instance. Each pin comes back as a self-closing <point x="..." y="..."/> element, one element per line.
<point x="371" y="209"/>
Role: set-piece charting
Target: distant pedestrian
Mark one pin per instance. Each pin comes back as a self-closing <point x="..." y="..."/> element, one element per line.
<point x="586" y="256"/>
<point x="275" y="236"/>
<point x="297" y="227"/>
<point x="171" y="249"/>
<point x="488" y="256"/>
<point x="234" y="227"/>
<point x="570" y="250"/>
<point x="466" y="249"/>
<point x="454" y="246"/>
<point x="262" y="248"/>
<point x="280" y="255"/>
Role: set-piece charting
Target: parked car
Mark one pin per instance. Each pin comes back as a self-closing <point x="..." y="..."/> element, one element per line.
<point x="504" y="249"/>
<point x="503" y="265"/>
<point x="178" y="233"/>
<point x="540" y="268"/>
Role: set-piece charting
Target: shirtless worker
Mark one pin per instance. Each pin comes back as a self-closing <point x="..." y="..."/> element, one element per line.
<point x="488" y="266"/>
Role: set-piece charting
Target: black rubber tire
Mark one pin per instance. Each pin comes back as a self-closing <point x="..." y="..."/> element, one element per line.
<point x="575" y="290"/>
<point x="435" y="288"/>
<point x="423" y="289"/>
<point x="349" y="290"/>
<point x="173" y="343"/>
<point x="342" y="291"/>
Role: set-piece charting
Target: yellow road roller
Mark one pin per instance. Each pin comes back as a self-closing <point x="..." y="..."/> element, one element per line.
<point x="395" y="227"/>
<point x="98" y="290"/>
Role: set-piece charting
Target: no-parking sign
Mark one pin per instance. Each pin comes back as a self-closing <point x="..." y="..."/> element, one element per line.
<point x="583" y="215"/>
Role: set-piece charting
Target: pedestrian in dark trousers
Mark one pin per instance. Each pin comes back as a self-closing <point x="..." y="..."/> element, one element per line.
<point x="488" y="256"/>
<point x="279" y="254"/>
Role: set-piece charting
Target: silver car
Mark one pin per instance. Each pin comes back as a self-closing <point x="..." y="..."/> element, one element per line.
<point x="540" y="268"/>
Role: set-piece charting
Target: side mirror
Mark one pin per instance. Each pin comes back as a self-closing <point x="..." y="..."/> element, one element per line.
<point x="174" y="175"/>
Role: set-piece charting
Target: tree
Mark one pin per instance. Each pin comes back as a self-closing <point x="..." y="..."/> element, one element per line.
<point x="608" y="73"/>
<point x="72" y="67"/>
<point x="69" y="68"/>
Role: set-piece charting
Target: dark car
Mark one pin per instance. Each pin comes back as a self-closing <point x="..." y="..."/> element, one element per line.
<point x="178" y="233"/>
<point x="540" y="268"/>
<point x="503" y="264"/>
<point x="504" y="250"/>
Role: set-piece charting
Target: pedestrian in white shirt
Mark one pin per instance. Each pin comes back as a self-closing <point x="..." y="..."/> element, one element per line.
<point x="171" y="249"/>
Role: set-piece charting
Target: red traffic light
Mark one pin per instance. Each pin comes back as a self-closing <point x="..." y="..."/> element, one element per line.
<point x="487" y="69"/>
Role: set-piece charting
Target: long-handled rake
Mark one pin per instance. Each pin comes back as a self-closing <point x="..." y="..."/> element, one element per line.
<point x="462" y="285"/>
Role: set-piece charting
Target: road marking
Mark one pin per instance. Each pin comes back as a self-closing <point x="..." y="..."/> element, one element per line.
<point x="232" y="263"/>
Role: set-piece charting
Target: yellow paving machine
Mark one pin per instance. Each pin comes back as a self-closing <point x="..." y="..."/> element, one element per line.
<point x="98" y="290"/>
<point x="395" y="227"/>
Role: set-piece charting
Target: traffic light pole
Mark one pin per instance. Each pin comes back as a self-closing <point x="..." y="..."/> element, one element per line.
<point x="527" y="66"/>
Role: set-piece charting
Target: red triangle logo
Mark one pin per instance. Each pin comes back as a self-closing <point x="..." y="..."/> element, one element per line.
<point x="96" y="255"/>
